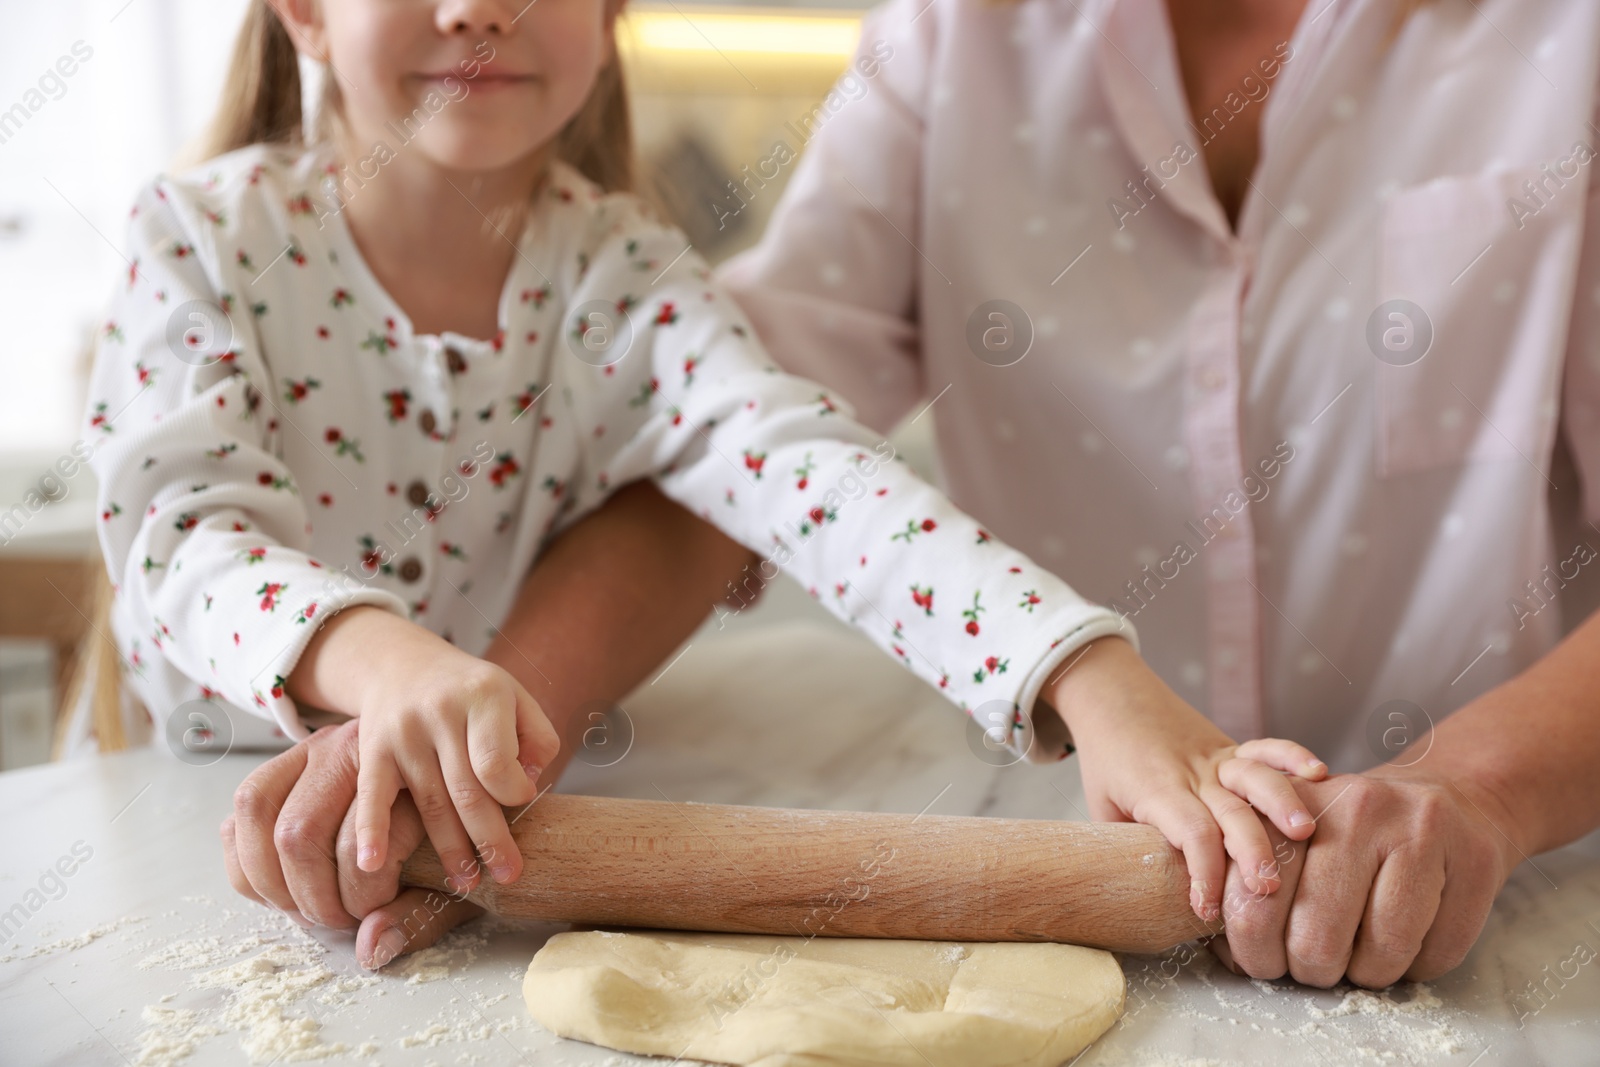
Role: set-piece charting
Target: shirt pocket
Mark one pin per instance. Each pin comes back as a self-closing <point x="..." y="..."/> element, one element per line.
<point x="1472" y="316"/>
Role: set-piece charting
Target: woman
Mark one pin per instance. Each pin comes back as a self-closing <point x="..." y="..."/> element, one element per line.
<point x="1287" y="305"/>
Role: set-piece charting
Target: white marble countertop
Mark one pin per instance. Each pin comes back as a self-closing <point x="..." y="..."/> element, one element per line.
<point x="108" y="965"/>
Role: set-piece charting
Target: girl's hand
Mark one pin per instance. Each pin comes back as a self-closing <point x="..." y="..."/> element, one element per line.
<point x="459" y="733"/>
<point x="1149" y="757"/>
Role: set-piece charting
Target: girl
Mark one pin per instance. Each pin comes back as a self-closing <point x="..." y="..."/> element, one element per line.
<point x="349" y="386"/>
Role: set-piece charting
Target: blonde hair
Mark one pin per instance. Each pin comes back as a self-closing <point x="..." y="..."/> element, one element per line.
<point x="261" y="105"/>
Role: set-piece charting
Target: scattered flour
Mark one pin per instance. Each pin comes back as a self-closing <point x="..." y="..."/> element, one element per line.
<point x="71" y="944"/>
<point x="440" y="961"/>
<point x="1366" y="1002"/>
<point x="200" y="952"/>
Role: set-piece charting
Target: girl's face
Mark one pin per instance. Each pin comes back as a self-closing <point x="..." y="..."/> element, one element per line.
<point x="473" y="85"/>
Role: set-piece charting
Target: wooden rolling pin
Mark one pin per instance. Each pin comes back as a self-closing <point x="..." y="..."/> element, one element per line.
<point x="719" y="867"/>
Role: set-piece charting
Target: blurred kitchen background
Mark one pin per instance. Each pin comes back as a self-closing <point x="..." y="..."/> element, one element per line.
<point x="715" y="85"/>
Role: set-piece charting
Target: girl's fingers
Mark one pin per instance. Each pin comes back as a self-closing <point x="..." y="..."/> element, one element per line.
<point x="1188" y="826"/>
<point x="1245" y="839"/>
<point x="492" y="750"/>
<point x="537" y="742"/>
<point x="377" y="785"/>
<point x="1270" y="793"/>
<point x="1287" y="756"/>
<point x="483" y="818"/>
<point x="428" y="792"/>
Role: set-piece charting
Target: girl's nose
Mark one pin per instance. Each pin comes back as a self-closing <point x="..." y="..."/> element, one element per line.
<point x="489" y="17"/>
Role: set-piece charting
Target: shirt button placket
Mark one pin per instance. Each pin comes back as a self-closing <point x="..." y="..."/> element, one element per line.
<point x="1214" y="435"/>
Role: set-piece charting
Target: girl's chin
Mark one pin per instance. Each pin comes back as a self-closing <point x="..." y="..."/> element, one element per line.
<point x="481" y="156"/>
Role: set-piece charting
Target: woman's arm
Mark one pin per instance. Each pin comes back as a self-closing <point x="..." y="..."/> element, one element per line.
<point x="1532" y="744"/>
<point x="1407" y="861"/>
<point x="608" y="601"/>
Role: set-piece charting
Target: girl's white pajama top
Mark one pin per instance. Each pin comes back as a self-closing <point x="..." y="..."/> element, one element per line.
<point x="274" y="443"/>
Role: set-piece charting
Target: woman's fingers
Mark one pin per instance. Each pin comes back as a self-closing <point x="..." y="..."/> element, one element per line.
<point x="1287" y="756"/>
<point x="492" y="746"/>
<point x="364" y="891"/>
<point x="1254" y="939"/>
<point x="256" y="804"/>
<point x="1188" y="826"/>
<point x="376" y="788"/>
<point x="1400" y="909"/>
<point x="432" y="798"/>
<point x="1244" y="838"/>
<point x="230" y="861"/>
<point x="413" y="920"/>
<point x="484" y="820"/>
<point x="1270" y="793"/>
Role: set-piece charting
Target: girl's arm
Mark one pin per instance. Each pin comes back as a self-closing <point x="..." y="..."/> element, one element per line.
<point x="682" y="391"/>
<point x="202" y="526"/>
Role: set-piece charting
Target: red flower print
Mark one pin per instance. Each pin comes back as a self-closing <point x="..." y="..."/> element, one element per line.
<point x="913" y="528"/>
<point x="325" y="499"/>
<point x="755" y="461"/>
<point x="374" y="559"/>
<point x="333" y="435"/>
<point x="1029" y="599"/>
<point x="294" y="391"/>
<point x="667" y="315"/>
<point x="505" y="466"/>
<point x="324" y="333"/>
<point x="269" y="593"/>
<point x="923" y="598"/>
<point x="971" y="615"/>
<point x="397" y="400"/>
<point x="992" y="666"/>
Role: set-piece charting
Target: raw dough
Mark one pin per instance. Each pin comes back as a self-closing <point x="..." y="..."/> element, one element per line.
<point x="810" y="1002"/>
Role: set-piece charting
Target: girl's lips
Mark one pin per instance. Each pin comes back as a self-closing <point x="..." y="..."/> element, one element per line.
<point x="484" y="80"/>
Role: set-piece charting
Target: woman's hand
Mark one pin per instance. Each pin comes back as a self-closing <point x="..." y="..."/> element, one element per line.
<point x="290" y="844"/>
<point x="1397" y="883"/>
<point x="278" y="844"/>
<point x="1149" y="757"/>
